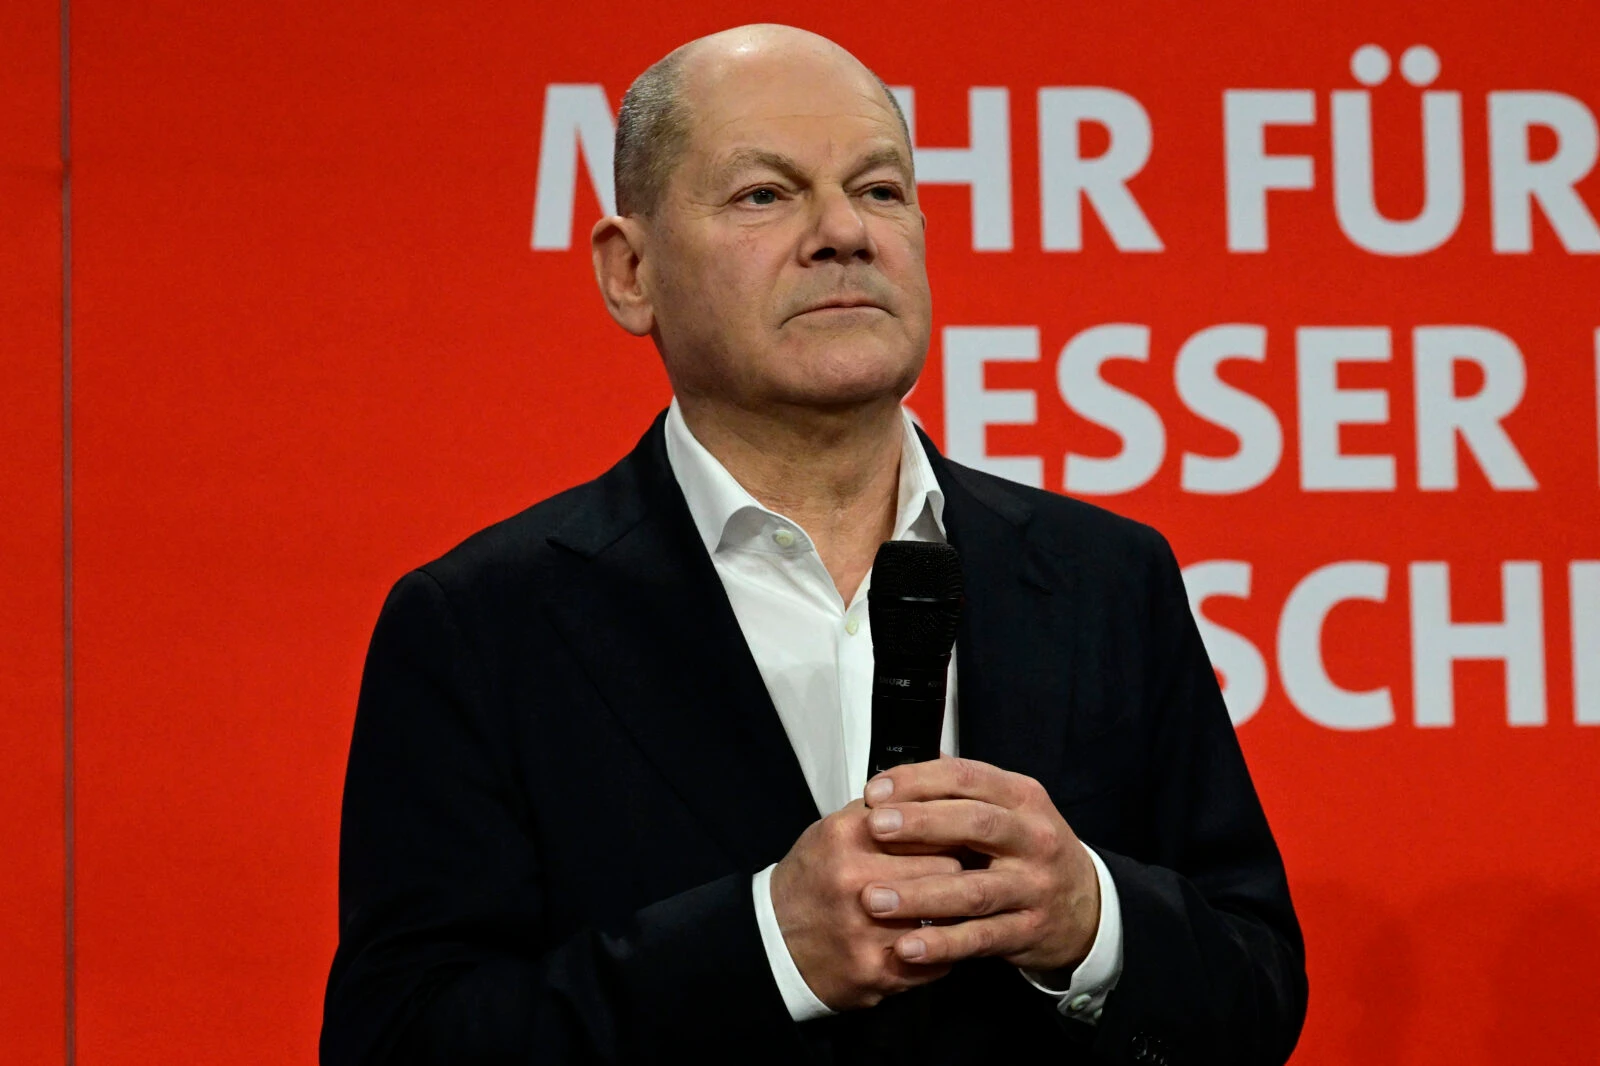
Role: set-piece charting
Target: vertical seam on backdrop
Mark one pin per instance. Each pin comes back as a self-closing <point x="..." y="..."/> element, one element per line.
<point x="69" y="811"/>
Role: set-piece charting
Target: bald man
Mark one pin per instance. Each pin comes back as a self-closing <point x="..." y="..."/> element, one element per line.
<point x="607" y="796"/>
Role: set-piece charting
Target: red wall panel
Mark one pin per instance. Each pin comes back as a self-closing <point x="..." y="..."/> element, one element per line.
<point x="32" y="889"/>
<point x="313" y="348"/>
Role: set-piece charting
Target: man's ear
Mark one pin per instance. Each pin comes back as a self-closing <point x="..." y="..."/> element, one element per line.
<point x="616" y="245"/>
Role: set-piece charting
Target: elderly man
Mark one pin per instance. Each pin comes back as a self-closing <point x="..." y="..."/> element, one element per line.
<point x="605" y="798"/>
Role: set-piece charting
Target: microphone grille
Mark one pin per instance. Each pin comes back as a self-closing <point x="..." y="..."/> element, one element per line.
<point x="915" y="598"/>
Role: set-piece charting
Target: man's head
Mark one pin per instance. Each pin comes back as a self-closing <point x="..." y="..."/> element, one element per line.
<point x="768" y="235"/>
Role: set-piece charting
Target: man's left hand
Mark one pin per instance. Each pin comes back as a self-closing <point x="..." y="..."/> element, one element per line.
<point x="1037" y="902"/>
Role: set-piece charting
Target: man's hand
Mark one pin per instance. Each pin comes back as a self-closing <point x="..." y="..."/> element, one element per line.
<point x="1037" y="902"/>
<point x="846" y="955"/>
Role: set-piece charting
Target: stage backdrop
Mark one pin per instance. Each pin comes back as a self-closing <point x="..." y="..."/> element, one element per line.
<point x="1312" y="288"/>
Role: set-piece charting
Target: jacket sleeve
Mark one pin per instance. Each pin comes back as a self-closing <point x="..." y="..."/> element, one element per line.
<point x="1213" y="959"/>
<point x="443" y="952"/>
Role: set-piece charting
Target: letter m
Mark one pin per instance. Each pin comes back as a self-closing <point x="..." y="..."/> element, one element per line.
<point x="576" y="118"/>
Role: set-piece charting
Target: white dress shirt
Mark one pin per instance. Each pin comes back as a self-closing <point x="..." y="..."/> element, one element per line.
<point x="814" y="652"/>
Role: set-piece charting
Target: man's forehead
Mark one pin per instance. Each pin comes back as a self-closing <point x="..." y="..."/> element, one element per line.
<point x="733" y="92"/>
<point x="843" y="127"/>
<point x="776" y="105"/>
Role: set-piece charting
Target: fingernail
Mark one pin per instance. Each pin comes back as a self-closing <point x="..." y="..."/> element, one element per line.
<point x="883" y="899"/>
<point x="880" y="790"/>
<point x="885" y="821"/>
<point x="912" y="949"/>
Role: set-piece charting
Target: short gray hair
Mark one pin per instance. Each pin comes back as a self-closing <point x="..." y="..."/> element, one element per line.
<point x="653" y="130"/>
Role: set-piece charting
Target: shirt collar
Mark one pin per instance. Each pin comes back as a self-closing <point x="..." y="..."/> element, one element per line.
<point x="724" y="513"/>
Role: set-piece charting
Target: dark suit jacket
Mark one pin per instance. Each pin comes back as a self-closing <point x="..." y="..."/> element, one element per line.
<point x="566" y="768"/>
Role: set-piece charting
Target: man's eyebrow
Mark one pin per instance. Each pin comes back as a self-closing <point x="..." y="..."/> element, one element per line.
<point x="887" y="156"/>
<point x="758" y="158"/>
<point x="762" y="158"/>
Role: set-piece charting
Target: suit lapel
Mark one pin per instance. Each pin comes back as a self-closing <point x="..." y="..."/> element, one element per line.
<point x="1014" y="643"/>
<point x="640" y="604"/>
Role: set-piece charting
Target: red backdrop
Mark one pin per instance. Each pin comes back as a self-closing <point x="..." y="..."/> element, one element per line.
<point x="313" y="343"/>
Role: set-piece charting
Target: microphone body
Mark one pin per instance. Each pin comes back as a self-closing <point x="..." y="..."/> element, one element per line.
<point x="914" y="604"/>
<point x="908" y="699"/>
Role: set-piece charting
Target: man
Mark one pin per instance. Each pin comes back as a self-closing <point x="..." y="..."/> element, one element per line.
<point x="605" y="796"/>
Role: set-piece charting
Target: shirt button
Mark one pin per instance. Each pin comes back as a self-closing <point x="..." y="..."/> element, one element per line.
<point x="784" y="537"/>
<point x="1080" y="1001"/>
<point x="853" y="626"/>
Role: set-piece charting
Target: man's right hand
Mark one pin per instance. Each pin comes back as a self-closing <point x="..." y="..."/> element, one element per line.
<point x="819" y="892"/>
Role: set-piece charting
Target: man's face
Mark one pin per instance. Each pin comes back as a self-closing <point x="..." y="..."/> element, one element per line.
<point x="787" y="261"/>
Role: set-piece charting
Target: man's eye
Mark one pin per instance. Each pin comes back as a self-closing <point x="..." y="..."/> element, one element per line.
<point x="884" y="193"/>
<point x="761" y="197"/>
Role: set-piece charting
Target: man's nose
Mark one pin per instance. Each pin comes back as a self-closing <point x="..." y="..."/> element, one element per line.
<point x="838" y="230"/>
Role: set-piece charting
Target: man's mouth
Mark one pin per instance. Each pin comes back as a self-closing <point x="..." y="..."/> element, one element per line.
<point x="844" y="304"/>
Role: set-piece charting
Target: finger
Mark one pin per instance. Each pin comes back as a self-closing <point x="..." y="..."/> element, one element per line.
<point x="889" y="847"/>
<point x="912" y="867"/>
<point x="963" y="895"/>
<point x="905" y="975"/>
<point x="975" y="824"/>
<point x="965" y="857"/>
<point x="945" y="778"/>
<point x="939" y="945"/>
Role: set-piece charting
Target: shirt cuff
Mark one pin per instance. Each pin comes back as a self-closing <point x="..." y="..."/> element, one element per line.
<point x="1095" y="977"/>
<point x="803" y="1003"/>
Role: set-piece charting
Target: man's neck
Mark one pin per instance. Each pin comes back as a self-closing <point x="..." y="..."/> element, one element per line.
<point x="837" y="474"/>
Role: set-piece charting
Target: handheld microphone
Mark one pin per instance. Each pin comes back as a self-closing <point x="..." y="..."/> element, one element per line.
<point x="913" y="604"/>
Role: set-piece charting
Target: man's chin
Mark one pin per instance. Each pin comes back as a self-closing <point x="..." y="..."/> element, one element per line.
<point x="848" y="395"/>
